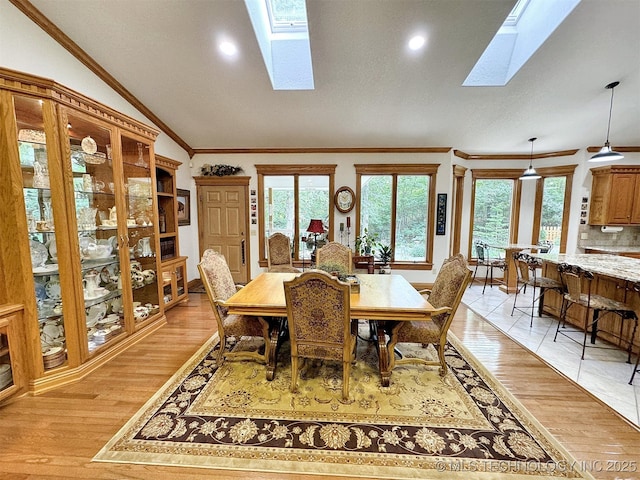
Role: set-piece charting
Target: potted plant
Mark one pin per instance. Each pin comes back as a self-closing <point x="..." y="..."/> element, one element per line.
<point x="385" y="253"/>
<point x="366" y="243"/>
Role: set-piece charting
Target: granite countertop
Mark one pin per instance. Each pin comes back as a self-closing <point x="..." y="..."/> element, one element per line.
<point x="615" y="266"/>
<point x="611" y="249"/>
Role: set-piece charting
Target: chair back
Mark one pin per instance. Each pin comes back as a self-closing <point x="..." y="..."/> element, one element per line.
<point x="572" y="277"/>
<point x="218" y="283"/>
<point x="481" y="249"/>
<point x="278" y="250"/>
<point x="334" y="254"/>
<point x="318" y="312"/>
<point x="526" y="267"/>
<point x="452" y="280"/>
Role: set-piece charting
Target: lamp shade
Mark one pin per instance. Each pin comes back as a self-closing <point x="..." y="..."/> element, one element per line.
<point x="315" y="226"/>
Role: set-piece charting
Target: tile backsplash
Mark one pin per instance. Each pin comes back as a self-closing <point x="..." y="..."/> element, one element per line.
<point x="629" y="236"/>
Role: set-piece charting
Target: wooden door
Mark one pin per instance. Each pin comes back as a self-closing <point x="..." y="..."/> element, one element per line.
<point x="621" y="200"/>
<point x="223" y="221"/>
<point x="635" y="211"/>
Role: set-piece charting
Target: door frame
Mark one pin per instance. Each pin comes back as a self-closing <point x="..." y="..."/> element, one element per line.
<point x="231" y="180"/>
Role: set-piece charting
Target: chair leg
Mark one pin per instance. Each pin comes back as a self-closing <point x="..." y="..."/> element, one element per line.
<point x="486" y="277"/>
<point x="346" y="371"/>
<point x="294" y="374"/>
<point x="443" y="363"/>
<point x="223" y="346"/>
<point x="633" y="335"/>
<point x="635" y="370"/>
<point x="563" y="315"/>
<point x="533" y="305"/>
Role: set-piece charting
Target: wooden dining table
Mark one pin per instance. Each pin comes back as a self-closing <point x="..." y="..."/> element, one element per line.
<point x="381" y="298"/>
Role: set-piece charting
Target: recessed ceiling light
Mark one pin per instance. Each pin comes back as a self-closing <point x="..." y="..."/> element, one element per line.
<point x="416" y="42"/>
<point x="228" y="48"/>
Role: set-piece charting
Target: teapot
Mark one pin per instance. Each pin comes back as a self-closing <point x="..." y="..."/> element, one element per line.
<point x="91" y="283"/>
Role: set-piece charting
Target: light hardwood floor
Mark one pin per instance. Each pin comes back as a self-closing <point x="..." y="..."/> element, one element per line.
<point x="54" y="436"/>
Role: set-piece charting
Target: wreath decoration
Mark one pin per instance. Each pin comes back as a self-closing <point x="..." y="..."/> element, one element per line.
<point x="219" y="170"/>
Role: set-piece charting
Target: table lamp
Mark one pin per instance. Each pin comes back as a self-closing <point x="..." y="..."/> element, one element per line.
<point x="315" y="227"/>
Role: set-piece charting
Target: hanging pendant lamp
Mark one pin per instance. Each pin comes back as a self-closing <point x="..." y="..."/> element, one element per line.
<point x="530" y="173"/>
<point x="605" y="154"/>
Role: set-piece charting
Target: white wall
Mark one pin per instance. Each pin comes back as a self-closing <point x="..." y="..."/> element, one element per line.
<point x="26" y="48"/>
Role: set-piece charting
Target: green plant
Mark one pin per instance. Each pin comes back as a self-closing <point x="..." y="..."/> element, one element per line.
<point x="366" y="243"/>
<point x="385" y="253"/>
<point x="334" y="269"/>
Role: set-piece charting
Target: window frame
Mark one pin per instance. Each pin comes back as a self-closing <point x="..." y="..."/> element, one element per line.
<point x="496" y="174"/>
<point x="296" y="171"/>
<point x="566" y="171"/>
<point x="394" y="170"/>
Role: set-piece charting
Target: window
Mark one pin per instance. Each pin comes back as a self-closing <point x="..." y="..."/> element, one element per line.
<point x="289" y="197"/>
<point x="551" y="217"/>
<point x="495" y="196"/>
<point x="396" y="204"/>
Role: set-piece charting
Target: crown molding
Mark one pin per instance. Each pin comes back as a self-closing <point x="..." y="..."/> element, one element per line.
<point x="617" y="149"/>
<point x="221" y="151"/>
<point x="513" y="156"/>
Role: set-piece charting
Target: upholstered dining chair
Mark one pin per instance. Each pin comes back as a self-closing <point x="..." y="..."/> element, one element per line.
<point x="527" y="269"/>
<point x="320" y="326"/>
<point x="279" y="254"/>
<point x="451" y="282"/>
<point x="578" y="284"/>
<point x="219" y="285"/>
<point x="334" y="254"/>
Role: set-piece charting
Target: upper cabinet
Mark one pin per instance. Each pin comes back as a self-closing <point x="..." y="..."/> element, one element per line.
<point x="80" y="216"/>
<point x="615" y="195"/>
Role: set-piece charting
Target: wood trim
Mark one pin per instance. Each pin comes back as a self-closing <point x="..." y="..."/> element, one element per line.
<point x="48" y="89"/>
<point x="225" y="151"/>
<point x="459" y="171"/>
<point x="557" y="171"/>
<point x="228" y="180"/>
<point x="396" y="168"/>
<point x="298" y="169"/>
<point x="510" y="173"/>
<point x="457" y="190"/>
<point x="59" y="36"/>
<point x="514" y="156"/>
<point x="607" y="169"/>
<point x="615" y="148"/>
<point x="165" y="162"/>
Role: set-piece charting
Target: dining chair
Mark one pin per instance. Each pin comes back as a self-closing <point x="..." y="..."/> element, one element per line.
<point x="320" y="326"/>
<point x="334" y="254"/>
<point x="527" y="268"/>
<point x="219" y="285"/>
<point x="279" y="254"/>
<point x="483" y="259"/>
<point x="578" y="285"/>
<point x="451" y="282"/>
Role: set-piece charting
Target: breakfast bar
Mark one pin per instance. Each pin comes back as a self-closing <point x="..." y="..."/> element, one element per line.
<point x="615" y="277"/>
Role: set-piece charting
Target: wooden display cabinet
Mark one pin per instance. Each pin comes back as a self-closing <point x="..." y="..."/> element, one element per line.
<point x="615" y="195"/>
<point x="82" y="218"/>
<point x="10" y="367"/>
<point x="173" y="266"/>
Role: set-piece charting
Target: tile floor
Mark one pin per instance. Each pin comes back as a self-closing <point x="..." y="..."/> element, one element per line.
<point x="603" y="372"/>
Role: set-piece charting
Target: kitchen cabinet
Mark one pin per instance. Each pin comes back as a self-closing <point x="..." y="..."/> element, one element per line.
<point x="615" y="195"/>
<point x="84" y="228"/>
<point x="173" y="266"/>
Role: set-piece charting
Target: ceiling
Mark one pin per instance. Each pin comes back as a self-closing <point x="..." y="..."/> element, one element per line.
<point x="369" y="92"/>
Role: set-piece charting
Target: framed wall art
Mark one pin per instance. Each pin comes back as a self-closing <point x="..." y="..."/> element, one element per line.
<point x="441" y="214"/>
<point x="183" y="197"/>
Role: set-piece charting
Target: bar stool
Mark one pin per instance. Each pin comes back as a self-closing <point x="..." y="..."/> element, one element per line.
<point x="483" y="259"/>
<point x="527" y="268"/>
<point x="636" y="288"/>
<point x="577" y="280"/>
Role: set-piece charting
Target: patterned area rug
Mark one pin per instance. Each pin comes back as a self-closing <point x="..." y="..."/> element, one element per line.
<point x="465" y="425"/>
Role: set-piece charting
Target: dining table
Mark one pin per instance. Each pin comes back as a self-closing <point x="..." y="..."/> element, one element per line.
<point x="510" y="284"/>
<point x="380" y="298"/>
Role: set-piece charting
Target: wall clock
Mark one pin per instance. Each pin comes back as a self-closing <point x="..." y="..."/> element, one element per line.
<point x="344" y="199"/>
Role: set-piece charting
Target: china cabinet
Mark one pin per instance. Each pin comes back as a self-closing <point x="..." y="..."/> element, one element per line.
<point x="173" y="266"/>
<point x="615" y="195"/>
<point x="84" y="225"/>
<point x="10" y="369"/>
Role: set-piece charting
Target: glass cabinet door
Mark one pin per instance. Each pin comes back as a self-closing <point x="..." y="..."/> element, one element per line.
<point x="34" y="163"/>
<point x="140" y="221"/>
<point x="95" y="210"/>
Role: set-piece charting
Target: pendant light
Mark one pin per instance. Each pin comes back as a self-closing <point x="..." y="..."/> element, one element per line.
<point x="530" y="173"/>
<point x="605" y="153"/>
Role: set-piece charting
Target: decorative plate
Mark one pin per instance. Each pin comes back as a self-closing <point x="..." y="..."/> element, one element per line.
<point x="52" y="287"/>
<point x="89" y="145"/>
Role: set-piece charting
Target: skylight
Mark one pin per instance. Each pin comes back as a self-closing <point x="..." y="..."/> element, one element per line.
<point x="281" y="29"/>
<point x="525" y="29"/>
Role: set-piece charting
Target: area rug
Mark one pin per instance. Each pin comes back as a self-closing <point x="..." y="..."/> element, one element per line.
<point x="464" y="425"/>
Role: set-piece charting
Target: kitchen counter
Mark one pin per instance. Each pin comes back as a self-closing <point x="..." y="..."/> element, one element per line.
<point x="611" y="265"/>
<point x="631" y="251"/>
